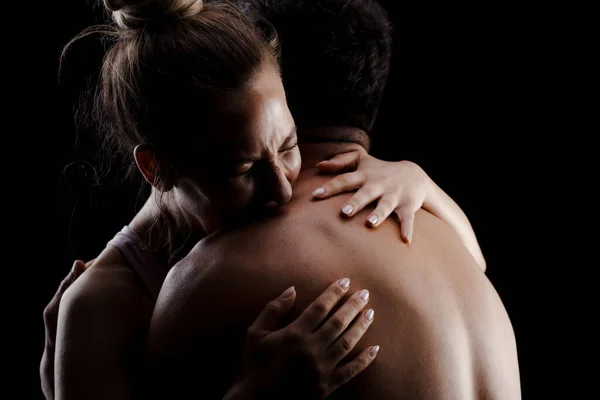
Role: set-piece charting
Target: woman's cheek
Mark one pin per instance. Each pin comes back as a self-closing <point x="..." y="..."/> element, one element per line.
<point x="240" y="195"/>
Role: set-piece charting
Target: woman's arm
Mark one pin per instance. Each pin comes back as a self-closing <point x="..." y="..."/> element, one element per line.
<point x="50" y="321"/>
<point x="397" y="187"/>
<point x="442" y="206"/>
<point x="100" y="341"/>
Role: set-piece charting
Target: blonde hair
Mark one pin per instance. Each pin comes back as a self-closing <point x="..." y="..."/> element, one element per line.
<point x="168" y="59"/>
<point x="168" y="63"/>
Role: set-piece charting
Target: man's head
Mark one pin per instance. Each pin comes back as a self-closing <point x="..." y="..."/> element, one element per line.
<point x="335" y="58"/>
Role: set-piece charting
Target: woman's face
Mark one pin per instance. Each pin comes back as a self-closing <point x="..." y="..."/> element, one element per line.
<point x="250" y="158"/>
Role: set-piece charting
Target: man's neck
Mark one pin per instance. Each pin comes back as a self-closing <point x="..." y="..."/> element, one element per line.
<point x="319" y="144"/>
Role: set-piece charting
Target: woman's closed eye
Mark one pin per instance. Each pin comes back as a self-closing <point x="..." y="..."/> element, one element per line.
<point x="243" y="169"/>
<point x="289" y="148"/>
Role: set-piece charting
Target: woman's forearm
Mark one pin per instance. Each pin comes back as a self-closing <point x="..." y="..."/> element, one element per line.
<point x="442" y="206"/>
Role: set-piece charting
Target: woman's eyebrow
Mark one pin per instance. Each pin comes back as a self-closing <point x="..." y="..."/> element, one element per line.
<point x="291" y="136"/>
<point x="243" y="159"/>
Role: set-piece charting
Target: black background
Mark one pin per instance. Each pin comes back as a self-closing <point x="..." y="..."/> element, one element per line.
<point x="467" y="99"/>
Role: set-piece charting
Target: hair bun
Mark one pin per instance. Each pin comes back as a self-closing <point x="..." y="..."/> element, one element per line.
<point x="134" y="14"/>
<point x="114" y="5"/>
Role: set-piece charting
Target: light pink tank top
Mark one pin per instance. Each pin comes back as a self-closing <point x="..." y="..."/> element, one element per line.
<point x="141" y="260"/>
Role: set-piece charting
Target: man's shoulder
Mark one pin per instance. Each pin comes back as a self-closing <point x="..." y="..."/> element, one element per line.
<point x="212" y="258"/>
<point x="243" y="247"/>
<point x="211" y="292"/>
<point x="206" y="283"/>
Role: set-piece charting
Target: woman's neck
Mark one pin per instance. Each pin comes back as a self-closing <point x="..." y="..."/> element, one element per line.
<point x="165" y="228"/>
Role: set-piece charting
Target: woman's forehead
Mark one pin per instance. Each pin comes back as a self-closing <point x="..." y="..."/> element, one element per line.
<point x="254" y="121"/>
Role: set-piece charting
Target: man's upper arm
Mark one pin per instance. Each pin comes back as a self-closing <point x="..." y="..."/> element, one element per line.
<point x="182" y="310"/>
<point x="201" y="297"/>
<point x="98" y="341"/>
<point x="196" y="333"/>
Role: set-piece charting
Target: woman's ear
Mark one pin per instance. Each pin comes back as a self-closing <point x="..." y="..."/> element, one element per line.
<point x="152" y="169"/>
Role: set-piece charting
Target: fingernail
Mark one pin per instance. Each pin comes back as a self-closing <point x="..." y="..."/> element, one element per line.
<point x="344" y="283"/>
<point x="364" y="295"/>
<point x="373" y="219"/>
<point x="409" y="237"/>
<point x="373" y="351"/>
<point x="347" y="209"/>
<point x="288" y="293"/>
<point x="369" y="315"/>
<point x="318" y="191"/>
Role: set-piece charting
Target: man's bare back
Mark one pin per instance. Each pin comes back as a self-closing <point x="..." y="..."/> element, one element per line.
<point x="443" y="331"/>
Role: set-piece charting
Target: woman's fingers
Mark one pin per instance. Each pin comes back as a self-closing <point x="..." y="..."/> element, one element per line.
<point x="349" y="370"/>
<point x="406" y="215"/>
<point x="335" y="325"/>
<point x="273" y="313"/>
<point x="346" y="342"/>
<point x="340" y="184"/>
<point x="318" y="310"/>
<point x="341" y="162"/>
<point x="362" y="198"/>
<point x="385" y="207"/>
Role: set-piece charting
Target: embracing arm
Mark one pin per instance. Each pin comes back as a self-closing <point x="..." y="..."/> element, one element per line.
<point x="397" y="187"/>
<point x="98" y="340"/>
<point x="442" y="206"/>
<point x="50" y="321"/>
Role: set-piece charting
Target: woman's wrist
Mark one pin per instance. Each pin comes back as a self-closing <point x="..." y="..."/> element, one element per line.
<point x="445" y="208"/>
<point x="432" y="196"/>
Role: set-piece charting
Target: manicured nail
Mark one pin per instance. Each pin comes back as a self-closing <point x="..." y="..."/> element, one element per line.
<point x="344" y="283"/>
<point x="373" y="351"/>
<point x="369" y="315"/>
<point x="409" y="237"/>
<point x="347" y="209"/>
<point x="364" y="295"/>
<point x="319" y="191"/>
<point x="288" y="293"/>
<point x="373" y="219"/>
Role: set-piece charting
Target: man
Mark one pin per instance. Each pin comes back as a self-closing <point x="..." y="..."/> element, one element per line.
<point x="443" y="331"/>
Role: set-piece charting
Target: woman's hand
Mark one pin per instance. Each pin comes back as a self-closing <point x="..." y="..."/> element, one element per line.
<point x="401" y="187"/>
<point x="398" y="187"/>
<point x="50" y="322"/>
<point x="302" y="360"/>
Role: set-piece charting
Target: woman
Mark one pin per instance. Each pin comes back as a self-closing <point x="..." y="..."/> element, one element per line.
<point x="182" y="85"/>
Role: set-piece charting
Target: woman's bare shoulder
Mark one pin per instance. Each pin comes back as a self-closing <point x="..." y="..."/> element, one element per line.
<point x="108" y="290"/>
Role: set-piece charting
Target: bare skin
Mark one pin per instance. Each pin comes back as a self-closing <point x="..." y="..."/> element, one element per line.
<point x="443" y="330"/>
<point x="101" y="351"/>
<point x="251" y="161"/>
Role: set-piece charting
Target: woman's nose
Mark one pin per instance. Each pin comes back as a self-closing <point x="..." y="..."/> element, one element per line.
<point x="278" y="185"/>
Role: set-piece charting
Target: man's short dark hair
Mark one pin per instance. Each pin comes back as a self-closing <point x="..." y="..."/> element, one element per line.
<point x="335" y="57"/>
